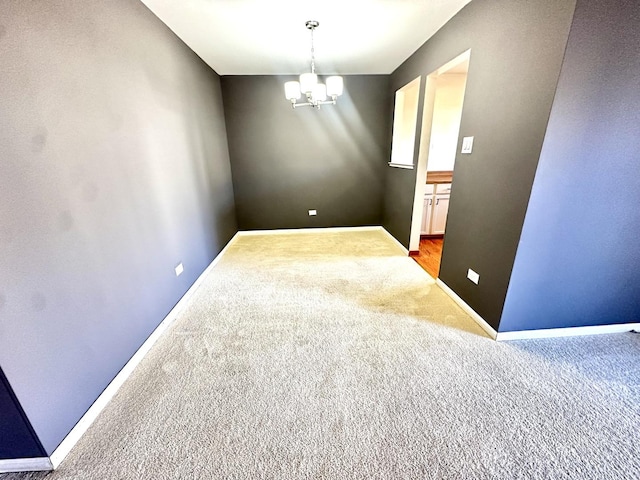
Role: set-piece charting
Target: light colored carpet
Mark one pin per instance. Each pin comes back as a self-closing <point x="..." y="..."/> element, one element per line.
<point x="332" y="355"/>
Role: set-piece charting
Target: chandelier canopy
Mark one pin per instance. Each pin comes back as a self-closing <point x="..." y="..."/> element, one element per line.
<point x="316" y="93"/>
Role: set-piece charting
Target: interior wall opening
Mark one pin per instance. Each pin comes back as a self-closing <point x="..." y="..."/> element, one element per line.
<point x="442" y="113"/>
<point x="405" y="119"/>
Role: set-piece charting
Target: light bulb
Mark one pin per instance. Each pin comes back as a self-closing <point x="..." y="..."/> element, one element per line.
<point x="319" y="92"/>
<point x="307" y="81"/>
<point x="292" y="90"/>
<point x="335" y="86"/>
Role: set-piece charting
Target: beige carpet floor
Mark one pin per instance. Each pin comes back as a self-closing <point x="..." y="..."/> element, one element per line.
<point x="334" y="356"/>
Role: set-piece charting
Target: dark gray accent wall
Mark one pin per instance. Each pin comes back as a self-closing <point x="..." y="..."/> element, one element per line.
<point x="114" y="168"/>
<point x="17" y="438"/>
<point x="286" y="161"/>
<point x="516" y="53"/>
<point x="578" y="263"/>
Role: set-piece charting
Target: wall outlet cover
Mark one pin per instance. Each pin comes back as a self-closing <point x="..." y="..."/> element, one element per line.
<point x="179" y="269"/>
<point x="473" y="276"/>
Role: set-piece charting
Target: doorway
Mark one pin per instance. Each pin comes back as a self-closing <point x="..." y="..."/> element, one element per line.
<point x="442" y="113"/>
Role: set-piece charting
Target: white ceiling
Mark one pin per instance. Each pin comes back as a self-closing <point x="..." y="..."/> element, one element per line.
<point x="251" y="37"/>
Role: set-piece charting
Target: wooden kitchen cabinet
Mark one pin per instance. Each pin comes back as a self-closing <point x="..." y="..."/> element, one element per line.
<point x="435" y="209"/>
<point x="426" y="214"/>
<point x="439" y="214"/>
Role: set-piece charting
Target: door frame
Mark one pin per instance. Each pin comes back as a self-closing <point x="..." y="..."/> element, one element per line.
<point x="425" y="143"/>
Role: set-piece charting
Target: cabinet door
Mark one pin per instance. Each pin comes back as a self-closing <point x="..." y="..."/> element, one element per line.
<point x="440" y="210"/>
<point x="426" y="215"/>
<point x="443" y="189"/>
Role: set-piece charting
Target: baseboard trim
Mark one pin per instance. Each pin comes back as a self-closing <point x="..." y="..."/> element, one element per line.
<point x="281" y="231"/>
<point x="38" y="464"/>
<point x="532" y="334"/>
<point x="567" y="332"/>
<point x="372" y="228"/>
<point x="395" y="240"/>
<point x="105" y="397"/>
<point x="470" y="311"/>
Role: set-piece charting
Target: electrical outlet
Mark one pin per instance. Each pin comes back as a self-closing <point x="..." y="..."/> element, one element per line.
<point x="473" y="276"/>
<point x="179" y="269"/>
<point x="313" y="213"/>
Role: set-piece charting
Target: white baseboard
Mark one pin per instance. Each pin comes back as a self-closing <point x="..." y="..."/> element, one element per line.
<point x="470" y="311"/>
<point x="395" y="240"/>
<point x="323" y="230"/>
<point x="38" y="464"/>
<point x="105" y="397"/>
<point x="281" y="231"/>
<point x="531" y="334"/>
<point x="567" y="332"/>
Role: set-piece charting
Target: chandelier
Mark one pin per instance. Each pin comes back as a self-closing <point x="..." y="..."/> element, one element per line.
<point x="316" y="93"/>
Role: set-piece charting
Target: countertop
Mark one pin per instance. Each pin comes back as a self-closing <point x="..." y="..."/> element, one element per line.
<point x="440" y="176"/>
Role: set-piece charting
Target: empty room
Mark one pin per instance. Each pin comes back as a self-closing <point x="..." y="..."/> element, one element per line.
<point x="212" y="228"/>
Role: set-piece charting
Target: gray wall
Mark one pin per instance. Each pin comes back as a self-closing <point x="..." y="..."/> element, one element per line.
<point x="578" y="262"/>
<point x="114" y="167"/>
<point x="516" y="53"/>
<point x="286" y="161"/>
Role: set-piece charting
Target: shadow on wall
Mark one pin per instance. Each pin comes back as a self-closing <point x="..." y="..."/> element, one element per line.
<point x="287" y="161"/>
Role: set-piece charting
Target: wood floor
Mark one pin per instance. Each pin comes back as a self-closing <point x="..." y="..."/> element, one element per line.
<point x="430" y="254"/>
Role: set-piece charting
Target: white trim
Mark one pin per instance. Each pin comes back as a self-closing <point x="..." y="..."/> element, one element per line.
<point x="470" y="311"/>
<point x="246" y="233"/>
<point x="105" y="397"/>
<point x="408" y="166"/>
<point x="423" y="160"/>
<point x="464" y="56"/>
<point x="400" y="246"/>
<point x="38" y="464"/>
<point x="567" y="332"/>
<point x="531" y="334"/>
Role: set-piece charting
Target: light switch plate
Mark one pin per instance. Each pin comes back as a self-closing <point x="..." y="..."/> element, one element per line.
<point x="467" y="144"/>
<point x="313" y="213"/>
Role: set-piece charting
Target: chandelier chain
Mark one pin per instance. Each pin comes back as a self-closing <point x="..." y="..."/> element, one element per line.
<point x="313" y="51"/>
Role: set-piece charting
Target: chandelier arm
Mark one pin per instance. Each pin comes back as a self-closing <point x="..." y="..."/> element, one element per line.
<point x="312" y="89"/>
<point x="314" y="104"/>
<point x="306" y="104"/>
